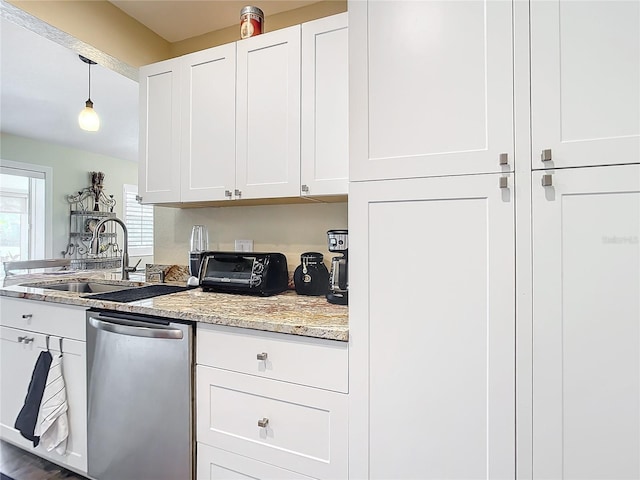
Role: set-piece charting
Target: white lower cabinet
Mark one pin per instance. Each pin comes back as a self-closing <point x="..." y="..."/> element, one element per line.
<point x="217" y="464"/>
<point x="253" y="426"/>
<point x="586" y="323"/>
<point x="26" y="325"/>
<point x="432" y="328"/>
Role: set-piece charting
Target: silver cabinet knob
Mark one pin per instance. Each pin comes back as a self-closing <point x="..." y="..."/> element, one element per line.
<point x="262" y="356"/>
<point x="227" y="193"/>
<point x="25" y="340"/>
<point x="504" y="182"/>
<point x="547" y="180"/>
<point x="304" y="188"/>
<point x="27" y="316"/>
<point x="263" y="423"/>
<point x="545" y="156"/>
<point x="504" y="159"/>
<point x="237" y="193"/>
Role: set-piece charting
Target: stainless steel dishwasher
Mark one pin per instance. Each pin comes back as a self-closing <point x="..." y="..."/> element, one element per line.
<point x="139" y="397"/>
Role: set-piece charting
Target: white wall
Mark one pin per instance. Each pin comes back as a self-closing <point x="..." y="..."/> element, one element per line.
<point x="71" y="169"/>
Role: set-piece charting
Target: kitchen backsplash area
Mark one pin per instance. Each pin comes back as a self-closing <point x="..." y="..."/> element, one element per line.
<point x="288" y="229"/>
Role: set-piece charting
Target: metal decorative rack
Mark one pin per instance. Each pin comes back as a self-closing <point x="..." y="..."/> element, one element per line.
<point x="87" y="208"/>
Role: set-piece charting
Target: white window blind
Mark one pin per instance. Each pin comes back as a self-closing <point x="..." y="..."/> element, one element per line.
<point x="139" y="220"/>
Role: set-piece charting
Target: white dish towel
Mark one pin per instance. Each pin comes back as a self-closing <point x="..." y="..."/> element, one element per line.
<point x="53" y="425"/>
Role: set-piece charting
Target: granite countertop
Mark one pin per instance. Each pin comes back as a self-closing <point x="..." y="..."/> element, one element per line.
<point x="284" y="313"/>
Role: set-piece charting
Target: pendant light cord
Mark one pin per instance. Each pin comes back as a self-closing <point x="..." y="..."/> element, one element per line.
<point x="89" y="81"/>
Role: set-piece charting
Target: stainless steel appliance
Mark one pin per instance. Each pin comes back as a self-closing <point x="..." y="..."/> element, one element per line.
<point x="338" y="241"/>
<point x="251" y="273"/>
<point x="140" y="400"/>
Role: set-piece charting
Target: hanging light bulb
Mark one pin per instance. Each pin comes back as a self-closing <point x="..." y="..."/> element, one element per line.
<point x="88" y="118"/>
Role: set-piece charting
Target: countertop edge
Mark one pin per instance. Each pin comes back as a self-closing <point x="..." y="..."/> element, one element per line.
<point x="145" y="307"/>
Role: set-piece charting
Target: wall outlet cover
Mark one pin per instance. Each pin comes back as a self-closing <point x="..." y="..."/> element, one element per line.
<point x="244" y="245"/>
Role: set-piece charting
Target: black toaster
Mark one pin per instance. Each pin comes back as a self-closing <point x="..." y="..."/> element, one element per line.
<point x="252" y="273"/>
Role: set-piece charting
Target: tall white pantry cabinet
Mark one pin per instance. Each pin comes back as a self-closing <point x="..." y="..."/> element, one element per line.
<point x="495" y="239"/>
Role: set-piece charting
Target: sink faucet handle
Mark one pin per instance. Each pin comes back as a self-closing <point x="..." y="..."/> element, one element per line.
<point x="134" y="268"/>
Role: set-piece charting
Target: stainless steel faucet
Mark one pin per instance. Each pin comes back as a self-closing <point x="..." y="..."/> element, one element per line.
<point x="95" y="245"/>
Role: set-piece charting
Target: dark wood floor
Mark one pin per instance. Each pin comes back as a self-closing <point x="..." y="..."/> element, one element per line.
<point x="21" y="465"/>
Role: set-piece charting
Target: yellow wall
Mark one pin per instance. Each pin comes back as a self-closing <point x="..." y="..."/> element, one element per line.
<point x="103" y="26"/>
<point x="107" y="28"/>
<point x="289" y="229"/>
<point x="272" y="22"/>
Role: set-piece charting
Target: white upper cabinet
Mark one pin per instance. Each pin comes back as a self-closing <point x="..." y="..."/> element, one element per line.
<point x="585" y="82"/>
<point x="586" y="323"/>
<point x="431" y="88"/>
<point x="268" y="115"/>
<point x="159" y="156"/>
<point x="325" y="106"/>
<point x="208" y="120"/>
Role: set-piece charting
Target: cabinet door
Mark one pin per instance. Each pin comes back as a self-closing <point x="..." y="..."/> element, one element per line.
<point x="18" y="357"/>
<point x="208" y="159"/>
<point x="586" y="324"/>
<point x="159" y="169"/>
<point x="325" y="107"/>
<point x="431" y="88"/>
<point x="432" y="329"/>
<point x="268" y="115"/>
<point x="585" y="82"/>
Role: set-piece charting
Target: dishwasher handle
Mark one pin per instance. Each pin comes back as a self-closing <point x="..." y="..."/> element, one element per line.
<point x="114" y="325"/>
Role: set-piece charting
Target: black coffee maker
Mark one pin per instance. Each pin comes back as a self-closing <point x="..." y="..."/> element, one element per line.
<point x="338" y="241"/>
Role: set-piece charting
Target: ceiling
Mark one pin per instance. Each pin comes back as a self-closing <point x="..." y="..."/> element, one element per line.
<point x="44" y="85"/>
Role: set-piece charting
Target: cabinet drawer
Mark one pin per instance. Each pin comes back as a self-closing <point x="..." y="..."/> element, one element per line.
<point x="44" y="317"/>
<point x="303" y="360"/>
<point x="304" y="429"/>
<point x="216" y="464"/>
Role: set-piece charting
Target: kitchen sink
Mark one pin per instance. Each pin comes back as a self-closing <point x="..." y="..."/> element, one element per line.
<point x="87" y="287"/>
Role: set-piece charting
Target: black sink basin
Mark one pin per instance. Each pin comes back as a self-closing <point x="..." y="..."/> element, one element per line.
<point x="138" y="293"/>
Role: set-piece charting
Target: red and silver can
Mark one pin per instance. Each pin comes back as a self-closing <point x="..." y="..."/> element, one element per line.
<point x="251" y="22"/>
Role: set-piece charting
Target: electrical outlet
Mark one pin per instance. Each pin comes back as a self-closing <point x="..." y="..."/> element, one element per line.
<point x="244" y="245"/>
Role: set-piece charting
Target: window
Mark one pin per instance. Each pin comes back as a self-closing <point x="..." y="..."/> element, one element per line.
<point x="25" y="211"/>
<point x="139" y="220"/>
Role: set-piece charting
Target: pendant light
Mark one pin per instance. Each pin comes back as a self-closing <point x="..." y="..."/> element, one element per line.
<point x="88" y="118"/>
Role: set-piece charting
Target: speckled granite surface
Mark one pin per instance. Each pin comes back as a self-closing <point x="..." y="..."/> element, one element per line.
<point x="285" y="313"/>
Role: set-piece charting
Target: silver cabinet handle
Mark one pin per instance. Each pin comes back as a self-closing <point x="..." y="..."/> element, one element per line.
<point x="504" y="182"/>
<point x="237" y="193"/>
<point x="504" y="159"/>
<point x="547" y="180"/>
<point x="263" y="423"/>
<point x="227" y="193"/>
<point x="545" y="156"/>
<point x="27" y="315"/>
<point x="262" y="356"/>
<point x="304" y="188"/>
<point x="25" y="340"/>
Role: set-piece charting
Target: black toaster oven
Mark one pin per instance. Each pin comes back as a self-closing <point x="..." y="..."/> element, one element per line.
<point x="251" y="273"/>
